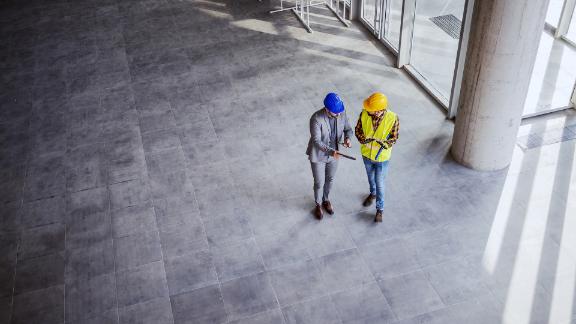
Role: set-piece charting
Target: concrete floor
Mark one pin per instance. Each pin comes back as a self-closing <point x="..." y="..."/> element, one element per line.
<point x="153" y="171"/>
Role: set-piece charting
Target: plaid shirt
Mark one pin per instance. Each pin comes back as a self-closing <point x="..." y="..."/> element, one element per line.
<point x="359" y="132"/>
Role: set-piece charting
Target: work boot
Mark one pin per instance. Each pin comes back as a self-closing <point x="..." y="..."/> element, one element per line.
<point x="328" y="206"/>
<point x="378" y="218"/>
<point x="369" y="200"/>
<point x="318" y="212"/>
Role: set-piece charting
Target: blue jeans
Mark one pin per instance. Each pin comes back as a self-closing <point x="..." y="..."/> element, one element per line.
<point x="376" y="172"/>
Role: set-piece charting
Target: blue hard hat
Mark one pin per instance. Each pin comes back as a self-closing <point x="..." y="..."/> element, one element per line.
<point x="333" y="103"/>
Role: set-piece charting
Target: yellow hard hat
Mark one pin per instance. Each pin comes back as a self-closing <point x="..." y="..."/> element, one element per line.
<point x="376" y="102"/>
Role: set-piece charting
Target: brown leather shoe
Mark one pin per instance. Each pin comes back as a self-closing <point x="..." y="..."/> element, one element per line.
<point x="328" y="206"/>
<point x="369" y="200"/>
<point x="378" y="218"/>
<point x="318" y="212"/>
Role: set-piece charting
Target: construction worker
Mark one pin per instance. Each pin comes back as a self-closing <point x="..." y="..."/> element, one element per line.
<point x="328" y="126"/>
<point x="377" y="131"/>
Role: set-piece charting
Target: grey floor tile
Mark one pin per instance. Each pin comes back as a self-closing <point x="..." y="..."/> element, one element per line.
<point x="315" y="311"/>
<point x="229" y="227"/>
<point x="474" y="311"/>
<point x="108" y="317"/>
<point x="211" y="176"/>
<point x="202" y="306"/>
<point x="121" y="171"/>
<point x="365" y="304"/>
<point x="87" y="202"/>
<point x="237" y="260"/>
<point x="410" y="295"/>
<point x="160" y="140"/>
<point x="11" y="218"/>
<point x="213" y="202"/>
<point x="196" y="125"/>
<point x="137" y="249"/>
<point x="129" y="193"/>
<point x="186" y="238"/>
<point x="457" y="281"/>
<point x="190" y="271"/>
<point x="7" y="279"/>
<point x="156" y="311"/>
<point x="299" y="281"/>
<point x="166" y="161"/>
<point x="83" y="231"/>
<point x="435" y="246"/>
<point x="41" y="241"/>
<point x="89" y="262"/>
<point x="43" y="212"/>
<point x="46" y="178"/>
<point x="268" y="317"/>
<point x="133" y="219"/>
<point x="326" y="238"/>
<point x="164" y="120"/>
<point x="39" y="273"/>
<point x="170" y="184"/>
<point x="174" y="211"/>
<point x="5" y="309"/>
<point x="40" y="306"/>
<point x="9" y="244"/>
<point x="344" y="270"/>
<point x="141" y="284"/>
<point x="12" y="191"/>
<point x="89" y="298"/>
<point x="270" y="214"/>
<point x="389" y="258"/>
<point x="249" y="295"/>
<point x="86" y="174"/>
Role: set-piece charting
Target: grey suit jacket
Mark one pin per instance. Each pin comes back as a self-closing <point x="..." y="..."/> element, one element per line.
<point x="319" y="149"/>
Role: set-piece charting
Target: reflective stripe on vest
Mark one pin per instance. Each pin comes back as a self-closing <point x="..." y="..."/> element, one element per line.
<point x="370" y="150"/>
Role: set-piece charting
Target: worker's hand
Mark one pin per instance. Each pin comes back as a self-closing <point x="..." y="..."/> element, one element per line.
<point x="347" y="143"/>
<point x="336" y="155"/>
<point x="381" y="143"/>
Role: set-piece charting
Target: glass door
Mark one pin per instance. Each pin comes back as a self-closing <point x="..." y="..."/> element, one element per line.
<point x="383" y="18"/>
<point x="571" y="34"/>
<point x="392" y="20"/>
<point x="554" y="12"/>
<point x="370" y="14"/>
<point x="435" y="42"/>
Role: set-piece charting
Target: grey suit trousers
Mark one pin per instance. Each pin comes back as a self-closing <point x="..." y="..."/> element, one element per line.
<point x="323" y="173"/>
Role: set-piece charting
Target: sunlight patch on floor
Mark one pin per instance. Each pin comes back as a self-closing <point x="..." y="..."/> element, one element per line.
<point x="524" y="279"/>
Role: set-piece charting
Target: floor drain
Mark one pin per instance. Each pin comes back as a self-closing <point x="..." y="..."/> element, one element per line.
<point x="548" y="137"/>
<point x="448" y="23"/>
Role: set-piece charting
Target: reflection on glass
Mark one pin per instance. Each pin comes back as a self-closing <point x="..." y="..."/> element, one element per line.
<point x="435" y="42"/>
<point x="553" y="76"/>
<point x="393" y="21"/>
<point x="369" y="11"/>
<point x="571" y="35"/>
<point x="554" y="12"/>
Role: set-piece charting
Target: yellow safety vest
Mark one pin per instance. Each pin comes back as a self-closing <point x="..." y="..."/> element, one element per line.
<point x="370" y="149"/>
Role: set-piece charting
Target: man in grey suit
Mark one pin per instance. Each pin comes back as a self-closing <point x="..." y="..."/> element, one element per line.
<point x="327" y="128"/>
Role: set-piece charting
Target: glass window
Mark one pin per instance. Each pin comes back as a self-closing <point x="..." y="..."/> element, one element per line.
<point x="571" y="35"/>
<point x="554" y="12"/>
<point x="369" y="11"/>
<point x="553" y="76"/>
<point x="435" y="42"/>
<point x="393" y="22"/>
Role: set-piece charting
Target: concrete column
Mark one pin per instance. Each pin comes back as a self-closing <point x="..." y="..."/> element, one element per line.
<point x="502" y="47"/>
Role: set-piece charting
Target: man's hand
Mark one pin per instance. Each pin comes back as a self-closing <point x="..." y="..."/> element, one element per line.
<point x="347" y="143"/>
<point x="336" y="155"/>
